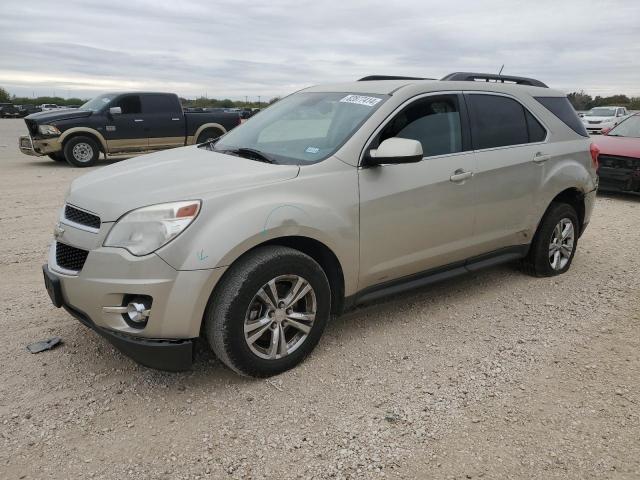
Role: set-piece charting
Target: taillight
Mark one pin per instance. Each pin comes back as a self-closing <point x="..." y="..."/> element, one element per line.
<point x="595" y="151"/>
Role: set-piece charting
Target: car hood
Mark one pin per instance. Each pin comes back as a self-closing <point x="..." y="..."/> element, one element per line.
<point x="598" y="119"/>
<point x="172" y="175"/>
<point x="43" y="118"/>
<point x="619" y="146"/>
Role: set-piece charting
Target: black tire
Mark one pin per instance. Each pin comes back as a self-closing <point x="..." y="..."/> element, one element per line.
<point x="538" y="262"/>
<point x="57" y="157"/>
<point x="234" y="298"/>
<point x="81" y="151"/>
<point x="209" y="134"/>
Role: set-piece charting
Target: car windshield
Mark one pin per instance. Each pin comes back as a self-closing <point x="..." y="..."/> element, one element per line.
<point x="98" y="102"/>
<point x="601" y="112"/>
<point x="304" y="127"/>
<point x="629" y="128"/>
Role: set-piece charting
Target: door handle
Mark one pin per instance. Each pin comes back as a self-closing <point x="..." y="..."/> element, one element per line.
<point x="540" y="157"/>
<point x="138" y="120"/>
<point x="175" y="119"/>
<point x="460" y="176"/>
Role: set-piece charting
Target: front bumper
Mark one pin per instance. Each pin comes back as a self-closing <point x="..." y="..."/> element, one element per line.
<point x="110" y="276"/>
<point x="39" y="146"/>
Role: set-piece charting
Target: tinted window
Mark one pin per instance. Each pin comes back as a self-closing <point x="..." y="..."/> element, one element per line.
<point x="537" y="133"/>
<point x="562" y="109"/>
<point x="434" y="122"/>
<point x="160" y="104"/>
<point x="497" y="121"/>
<point x="129" y="104"/>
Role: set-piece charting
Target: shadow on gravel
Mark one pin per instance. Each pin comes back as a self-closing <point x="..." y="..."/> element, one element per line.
<point x="207" y="371"/>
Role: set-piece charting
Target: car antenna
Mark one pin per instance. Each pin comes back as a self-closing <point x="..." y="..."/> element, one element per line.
<point x="500" y="72"/>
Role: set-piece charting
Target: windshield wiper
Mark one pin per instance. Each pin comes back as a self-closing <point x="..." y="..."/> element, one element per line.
<point x="252" y="153"/>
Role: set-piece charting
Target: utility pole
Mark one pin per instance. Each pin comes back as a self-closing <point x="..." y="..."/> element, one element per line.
<point x="258" y="101"/>
<point x="246" y="101"/>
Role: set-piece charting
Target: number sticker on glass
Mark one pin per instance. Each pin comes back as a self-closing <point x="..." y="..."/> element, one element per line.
<point x="361" y="100"/>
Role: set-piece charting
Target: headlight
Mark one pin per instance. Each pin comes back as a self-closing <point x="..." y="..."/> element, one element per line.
<point x="146" y="229"/>
<point x="48" y="130"/>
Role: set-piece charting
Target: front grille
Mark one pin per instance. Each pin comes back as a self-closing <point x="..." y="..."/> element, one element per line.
<point x="80" y="216"/>
<point x="70" y="258"/>
<point x="615" y="161"/>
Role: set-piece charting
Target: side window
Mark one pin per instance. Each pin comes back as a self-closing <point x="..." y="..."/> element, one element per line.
<point x="497" y="121"/>
<point x="433" y="121"/>
<point x="562" y="109"/>
<point x="158" y="103"/>
<point x="129" y="104"/>
<point x="537" y="133"/>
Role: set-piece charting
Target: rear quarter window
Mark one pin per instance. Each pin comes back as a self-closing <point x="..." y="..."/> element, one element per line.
<point x="562" y="109"/>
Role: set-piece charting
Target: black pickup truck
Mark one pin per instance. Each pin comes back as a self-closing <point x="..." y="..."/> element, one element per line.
<point x="120" y="124"/>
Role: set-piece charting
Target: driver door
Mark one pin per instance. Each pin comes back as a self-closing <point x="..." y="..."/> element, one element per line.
<point x="419" y="216"/>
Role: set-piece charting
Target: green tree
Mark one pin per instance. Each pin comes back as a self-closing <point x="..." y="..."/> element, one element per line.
<point x="4" y="96"/>
<point x="580" y="100"/>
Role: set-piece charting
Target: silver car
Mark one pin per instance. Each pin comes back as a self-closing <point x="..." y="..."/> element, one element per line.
<point x="334" y="196"/>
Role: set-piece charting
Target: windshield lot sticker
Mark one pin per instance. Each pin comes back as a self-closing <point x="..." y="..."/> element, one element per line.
<point x="312" y="150"/>
<point x="361" y="100"/>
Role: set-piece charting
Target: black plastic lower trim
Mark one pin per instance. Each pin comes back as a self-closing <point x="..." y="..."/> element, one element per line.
<point x="161" y="354"/>
<point x="428" y="277"/>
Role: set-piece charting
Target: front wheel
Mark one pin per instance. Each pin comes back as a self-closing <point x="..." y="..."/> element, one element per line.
<point x="81" y="151"/>
<point x="555" y="242"/>
<point x="268" y="312"/>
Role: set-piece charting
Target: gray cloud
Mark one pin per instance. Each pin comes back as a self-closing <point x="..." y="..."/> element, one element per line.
<point x="235" y="49"/>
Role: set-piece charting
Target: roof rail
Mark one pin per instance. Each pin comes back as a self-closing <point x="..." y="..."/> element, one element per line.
<point x="488" y="77"/>
<point x="390" y="77"/>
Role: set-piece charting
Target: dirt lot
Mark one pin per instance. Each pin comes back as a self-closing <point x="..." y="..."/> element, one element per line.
<point x="495" y="375"/>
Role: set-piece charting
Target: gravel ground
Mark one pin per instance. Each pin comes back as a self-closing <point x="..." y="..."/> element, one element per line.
<point x="493" y="375"/>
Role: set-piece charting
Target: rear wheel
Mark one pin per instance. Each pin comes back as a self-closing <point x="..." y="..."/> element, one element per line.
<point x="555" y="242"/>
<point x="81" y="151"/>
<point x="57" y="157"/>
<point x="269" y="311"/>
<point x="208" y="135"/>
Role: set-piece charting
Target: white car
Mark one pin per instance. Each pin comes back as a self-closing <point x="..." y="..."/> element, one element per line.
<point x="603" y="117"/>
<point x="45" y="107"/>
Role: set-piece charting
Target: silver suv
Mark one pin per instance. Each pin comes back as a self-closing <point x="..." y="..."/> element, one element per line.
<point x="334" y="196"/>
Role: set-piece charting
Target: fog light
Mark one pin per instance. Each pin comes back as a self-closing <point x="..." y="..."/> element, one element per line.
<point x="137" y="312"/>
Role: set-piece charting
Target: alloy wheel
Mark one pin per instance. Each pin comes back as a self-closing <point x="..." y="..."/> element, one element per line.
<point x="82" y="152"/>
<point x="280" y="317"/>
<point x="561" y="244"/>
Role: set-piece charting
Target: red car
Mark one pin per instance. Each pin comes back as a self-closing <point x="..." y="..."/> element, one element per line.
<point x="620" y="157"/>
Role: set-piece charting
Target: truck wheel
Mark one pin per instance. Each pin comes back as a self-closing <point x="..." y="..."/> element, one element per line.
<point x="555" y="242"/>
<point x="81" y="151"/>
<point x="208" y="134"/>
<point x="57" y="157"/>
<point x="268" y="312"/>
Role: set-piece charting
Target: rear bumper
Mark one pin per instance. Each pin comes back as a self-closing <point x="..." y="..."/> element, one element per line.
<point x="38" y="147"/>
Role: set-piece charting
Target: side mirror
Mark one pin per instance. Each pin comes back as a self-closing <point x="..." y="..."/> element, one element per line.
<point x="115" y="111"/>
<point x="395" y="151"/>
<point x="605" y="130"/>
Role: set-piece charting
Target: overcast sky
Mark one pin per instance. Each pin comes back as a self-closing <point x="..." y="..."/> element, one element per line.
<point x="270" y="48"/>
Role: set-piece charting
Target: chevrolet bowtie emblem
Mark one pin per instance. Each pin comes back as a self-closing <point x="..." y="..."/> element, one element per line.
<point x="58" y="231"/>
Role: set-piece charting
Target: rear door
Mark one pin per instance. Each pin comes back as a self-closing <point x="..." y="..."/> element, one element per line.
<point x="419" y="216"/>
<point x="164" y="120"/>
<point x="125" y="132"/>
<point x="510" y="146"/>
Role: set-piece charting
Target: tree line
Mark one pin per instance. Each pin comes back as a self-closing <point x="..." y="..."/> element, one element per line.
<point x="582" y="101"/>
<point x="5" y="97"/>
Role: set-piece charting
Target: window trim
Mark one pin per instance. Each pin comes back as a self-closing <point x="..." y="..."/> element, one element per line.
<point x="500" y="94"/>
<point x="465" y="130"/>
